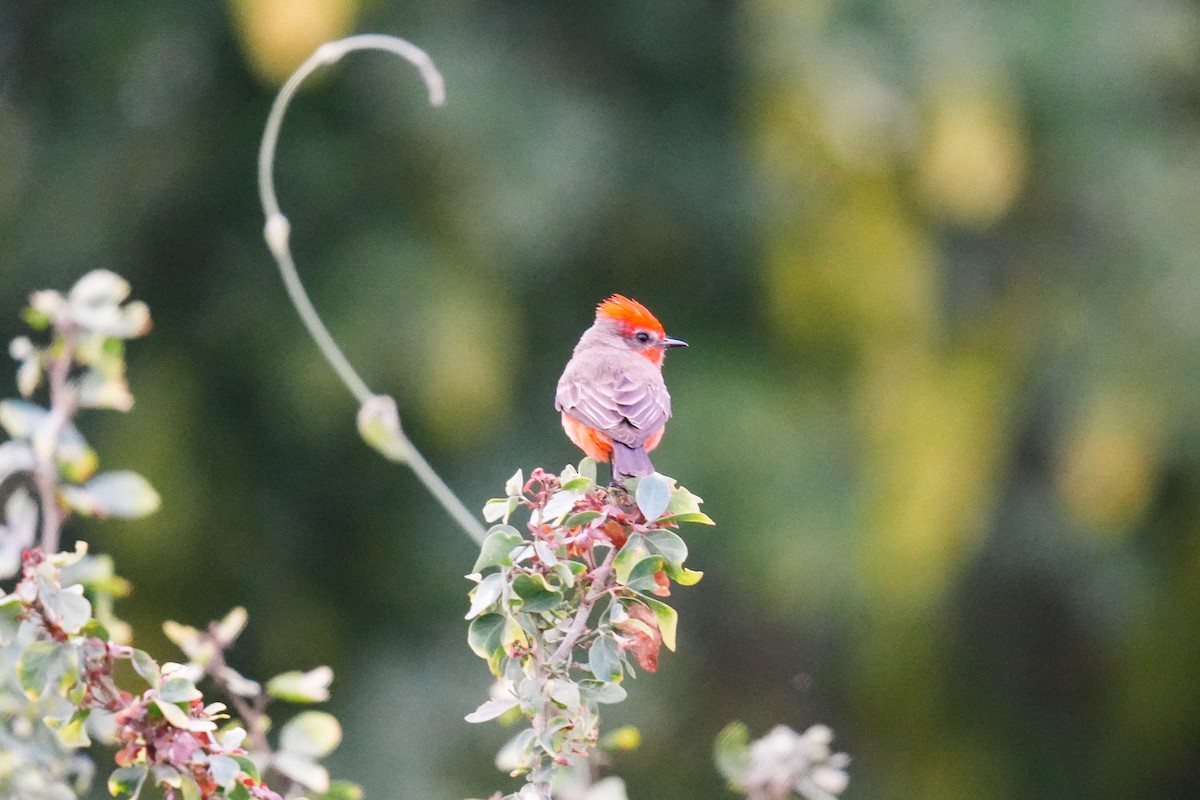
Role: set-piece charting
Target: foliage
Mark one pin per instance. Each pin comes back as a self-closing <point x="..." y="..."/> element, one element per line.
<point x="571" y="603"/>
<point x="782" y="764"/>
<point x="61" y="647"/>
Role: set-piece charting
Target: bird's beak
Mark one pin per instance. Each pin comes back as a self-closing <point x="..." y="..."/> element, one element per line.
<point x="669" y="342"/>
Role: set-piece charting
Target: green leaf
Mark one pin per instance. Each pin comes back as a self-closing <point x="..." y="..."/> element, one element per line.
<point x="587" y="469"/>
<point x="731" y="752"/>
<point x="311" y="734"/>
<point x="485" y="634"/>
<point x="302" y="687"/>
<point x="499" y="509"/>
<point x="178" y="690"/>
<point x="565" y="573"/>
<point x="602" y="692"/>
<point x="634" y="551"/>
<point x="545" y="554"/>
<point x="231" y="626"/>
<point x="514" y="635"/>
<point x="531" y="695"/>
<point x="94" y="389"/>
<point x="642" y="576"/>
<point x="34" y="666"/>
<point x="11" y="609"/>
<point x="497" y="546"/>
<point x="582" y="518"/>
<point x="224" y="770"/>
<point x="127" y="781"/>
<point x="122" y="493"/>
<point x="247" y="764"/>
<point x="302" y="770"/>
<point x="93" y="628"/>
<point x="684" y="507"/>
<point x="684" y="576"/>
<point x="173" y="714"/>
<point x="21" y="418"/>
<point x="16" y="457"/>
<point x="75" y="457"/>
<point x="491" y="709"/>
<point x="566" y="693"/>
<point x="669" y="545"/>
<point x="514" y="485"/>
<point x="69" y="605"/>
<point x="691" y="516"/>
<point x="341" y="790"/>
<point x="560" y="505"/>
<point x="72" y="733"/>
<point x="100" y="287"/>
<point x="668" y="620"/>
<point x="604" y="659"/>
<point x="536" y="595"/>
<point x="486" y="594"/>
<point x="653" y="495"/>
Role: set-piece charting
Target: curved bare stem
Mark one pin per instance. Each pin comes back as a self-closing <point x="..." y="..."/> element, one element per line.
<point x="277" y="230"/>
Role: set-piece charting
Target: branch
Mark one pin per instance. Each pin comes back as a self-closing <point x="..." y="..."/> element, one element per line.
<point x="277" y="231"/>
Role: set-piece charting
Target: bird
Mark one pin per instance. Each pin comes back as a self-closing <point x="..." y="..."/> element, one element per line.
<point x="612" y="396"/>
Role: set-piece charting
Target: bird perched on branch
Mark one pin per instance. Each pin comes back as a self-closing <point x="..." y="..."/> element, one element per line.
<point x="612" y="397"/>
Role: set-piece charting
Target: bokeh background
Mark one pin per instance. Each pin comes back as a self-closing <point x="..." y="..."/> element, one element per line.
<point x="937" y="261"/>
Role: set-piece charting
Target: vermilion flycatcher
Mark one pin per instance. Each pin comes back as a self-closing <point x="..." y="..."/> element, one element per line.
<point x="612" y="397"/>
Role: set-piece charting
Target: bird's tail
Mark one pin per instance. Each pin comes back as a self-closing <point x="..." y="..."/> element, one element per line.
<point x="629" y="461"/>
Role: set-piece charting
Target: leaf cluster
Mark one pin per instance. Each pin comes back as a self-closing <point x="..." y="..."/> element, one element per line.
<point x="61" y="645"/>
<point x="565" y="606"/>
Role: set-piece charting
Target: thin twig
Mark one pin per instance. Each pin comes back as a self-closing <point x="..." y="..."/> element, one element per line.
<point x="62" y="408"/>
<point x="277" y="234"/>
<point x="599" y="577"/>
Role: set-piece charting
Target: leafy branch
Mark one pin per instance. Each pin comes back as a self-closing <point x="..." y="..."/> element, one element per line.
<point x="570" y="605"/>
<point x="60" y="643"/>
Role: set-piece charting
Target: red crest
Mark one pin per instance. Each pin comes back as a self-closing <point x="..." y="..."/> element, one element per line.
<point x="631" y="313"/>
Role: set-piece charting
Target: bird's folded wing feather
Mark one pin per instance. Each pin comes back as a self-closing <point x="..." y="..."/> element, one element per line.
<point x="628" y="410"/>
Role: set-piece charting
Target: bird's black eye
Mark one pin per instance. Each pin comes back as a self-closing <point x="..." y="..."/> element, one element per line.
<point x="642" y="336"/>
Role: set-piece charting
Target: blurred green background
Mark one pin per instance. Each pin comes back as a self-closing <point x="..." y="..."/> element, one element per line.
<point x="937" y="261"/>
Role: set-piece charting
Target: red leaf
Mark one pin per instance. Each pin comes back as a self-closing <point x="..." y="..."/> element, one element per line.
<point x="644" y="640"/>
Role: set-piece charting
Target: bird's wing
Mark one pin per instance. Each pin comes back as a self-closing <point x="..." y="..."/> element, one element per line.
<point x="627" y="409"/>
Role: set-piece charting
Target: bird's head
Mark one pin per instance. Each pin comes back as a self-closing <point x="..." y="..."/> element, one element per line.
<point x="636" y="327"/>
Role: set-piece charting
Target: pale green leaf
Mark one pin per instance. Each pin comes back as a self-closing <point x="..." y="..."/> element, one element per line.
<point x="668" y="620"/>
<point x="485" y="634"/>
<point x="127" y="781"/>
<point x="669" y="545"/>
<point x="121" y="493"/>
<point x="311" y="734"/>
<point x="178" y="689"/>
<point x="653" y="495"/>
<point x="497" y="547"/>
<point x="302" y="687"/>
<point x="604" y="659"/>
<point x="731" y="752"/>
<point x="486" y="594"/>
<point x="491" y="709"/>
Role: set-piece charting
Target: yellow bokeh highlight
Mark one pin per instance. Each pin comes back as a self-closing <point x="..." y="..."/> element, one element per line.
<point x="860" y="270"/>
<point x="466" y="364"/>
<point x="1107" y="466"/>
<point x="277" y="35"/>
<point x="935" y="430"/>
<point x="973" y="163"/>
